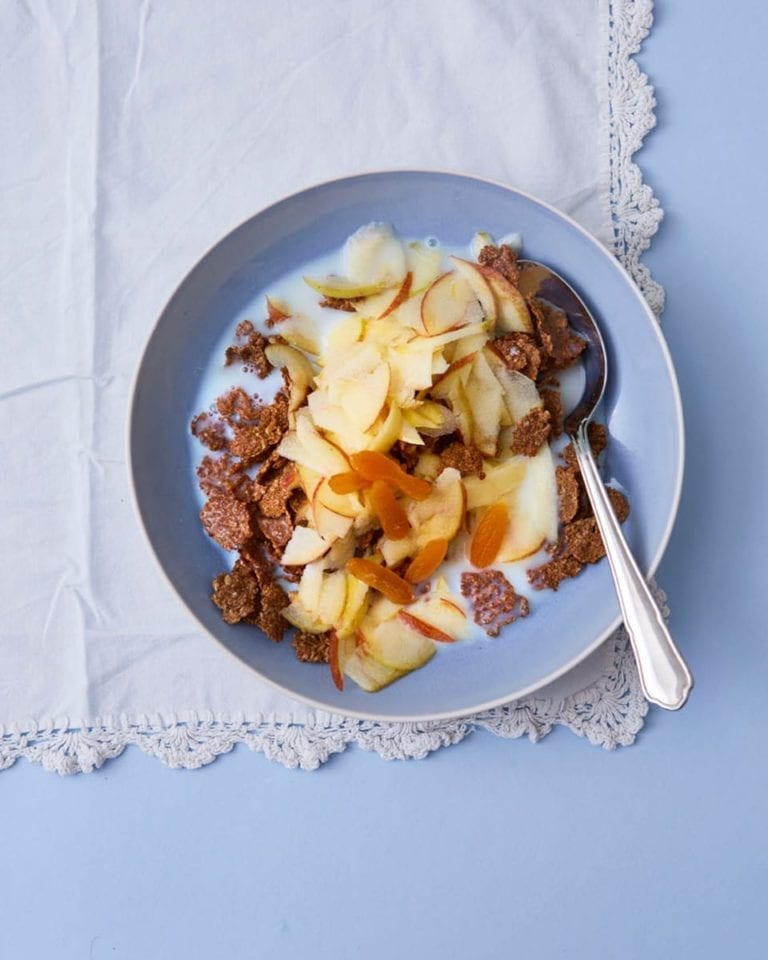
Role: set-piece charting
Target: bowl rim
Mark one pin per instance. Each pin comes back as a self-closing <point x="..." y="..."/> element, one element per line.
<point x="651" y="567"/>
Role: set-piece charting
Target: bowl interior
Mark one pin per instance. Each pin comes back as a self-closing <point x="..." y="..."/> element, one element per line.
<point x="641" y="407"/>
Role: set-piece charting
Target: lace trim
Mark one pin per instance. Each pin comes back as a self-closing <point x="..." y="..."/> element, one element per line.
<point x="609" y="713"/>
<point x="627" y="108"/>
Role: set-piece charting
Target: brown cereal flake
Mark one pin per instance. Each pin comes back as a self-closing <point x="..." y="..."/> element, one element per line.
<point x="237" y="406"/>
<point x="274" y="499"/>
<point x="235" y="594"/>
<point x="222" y="474"/>
<point x="311" y="647"/>
<point x="495" y="603"/>
<point x="210" y="431"/>
<point x="277" y="530"/>
<point x="227" y="520"/>
<point x="503" y="260"/>
<point x="249" y="350"/>
<point x="619" y="503"/>
<point x="553" y="403"/>
<point x="467" y="460"/>
<point x="251" y="441"/>
<point x="560" y="345"/>
<point x="531" y="432"/>
<point x="583" y="540"/>
<point x="519" y="352"/>
<point x="272" y="600"/>
<point x="340" y="303"/>
<point x="551" y="574"/>
<point x="569" y="492"/>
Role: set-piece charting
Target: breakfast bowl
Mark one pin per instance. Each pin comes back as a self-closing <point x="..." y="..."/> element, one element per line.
<point x="181" y="372"/>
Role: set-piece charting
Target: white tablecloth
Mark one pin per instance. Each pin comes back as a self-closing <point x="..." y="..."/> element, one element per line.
<point x="135" y="134"/>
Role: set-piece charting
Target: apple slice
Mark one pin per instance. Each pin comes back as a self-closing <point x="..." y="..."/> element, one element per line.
<point x="458" y="333"/>
<point x="425" y="263"/>
<point x="333" y="595"/>
<point x="451" y="387"/>
<point x="396" y="644"/>
<point x="533" y="509"/>
<point x="448" y="304"/>
<point x="333" y="419"/>
<point x="310" y="586"/>
<point x="479" y="284"/>
<point x="428" y="466"/>
<point x="331" y="526"/>
<point x="442" y="513"/>
<point x="341" y="551"/>
<point x="384" y="434"/>
<point x="479" y="240"/>
<point x="520" y="393"/>
<point x="395" y="551"/>
<point x="368" y="673"/>
<point x="499" y="480"/>
<point x="355" y="606"/>
<point x="319" y="455"/>
<point x="345" y="504"/>
<point x="342" y="288"/>
<point x="299" y="371"/>
<point x="296" y="614"/>
<point x="304" y="546"/>
<point x="439" y="615"/>
<point x="486" y="401"/>
<point x="408" y="314"/>
<point x="358" y="381"/>
<point x="511" y="309"/>
<point x="374" y="254"/>
<point x="410" y="371"/>
<point x="309" y="479"/>
<point x="300" y="331"/>
<point x="344" y="333"/>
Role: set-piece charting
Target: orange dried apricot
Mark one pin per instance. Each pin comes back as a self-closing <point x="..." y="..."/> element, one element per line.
<point x="391" y="515"/>
<point x="379" y="578"/>
<point x="488" y="536"/>
<point x="378" y="466"/>
<point x="348" y="482"/>
<point x="427" y="560"/>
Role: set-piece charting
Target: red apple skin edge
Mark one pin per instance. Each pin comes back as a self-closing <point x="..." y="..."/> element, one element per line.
<point x="333" y="661"/>
<point x="424" y="628"/>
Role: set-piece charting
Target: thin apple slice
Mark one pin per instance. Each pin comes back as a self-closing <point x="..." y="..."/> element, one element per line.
<point x="342" y="288"/>
<point x="331" y="526"/>
<point x="358" y="382"/>
<point x="333" y="419"/>
<point x="341" y="551"/>
<point x="443" y="614"/>
<point x="448" y="304"/>
<point x="367" y="673"/>
<point x="476" y="279"/>
<point x="344" y="333"/>
<point x="355" y="606"/>
<point x="452" y="387"/>
<point x="395" y="551"/>
<point x="395" y="644"/>
<point x="486" y="401"/>
<point x="520" y="393"/>
<point x="384" y="434"/>
<point x="410" y="371"/>
<point x="458" y="333"/>
<point x="533" y="509"/>
<point x="511" y="309"/>
<point x="408" y="314"/>
<point x="441" y="514"/>
<point x="309" y="479"/>
<point x="299" y="371"/>
<point x="300" y="331"/>
<point x="310" y="585"/>
<point x="409" y="434"/>
<point x="333" y="595"/>
<point x="319" y="455"/>
<point x="304" y="546"/>
<point x="480" y="240"/>
<point x="374" y="254"/>
<point x="499" y="480"/>
<point x="345" y="504"/>
<point x="298" y="616"/>
<point x="425" y="263"/>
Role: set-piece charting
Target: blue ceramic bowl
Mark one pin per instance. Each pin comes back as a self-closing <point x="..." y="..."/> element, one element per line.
<point x="642" y="408"/>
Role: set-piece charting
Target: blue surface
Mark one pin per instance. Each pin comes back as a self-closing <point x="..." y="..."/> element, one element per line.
<point x="490" y="849"/>
<point x="641" y="389"/>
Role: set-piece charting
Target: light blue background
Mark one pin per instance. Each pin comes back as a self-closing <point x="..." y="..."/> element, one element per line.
<point x="491" y="848"/>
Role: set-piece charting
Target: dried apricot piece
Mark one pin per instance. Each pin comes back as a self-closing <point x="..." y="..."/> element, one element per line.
<point x="378" y="466"/>
<point x="392" y="517"/>
<point x="488" y="536"/>
<point x="427" y="560"/>
<point x="348" y="482"/>
<point x="379" y="578"/>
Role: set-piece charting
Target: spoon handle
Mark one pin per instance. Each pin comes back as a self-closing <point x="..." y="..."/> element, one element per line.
<point x="665" y="679"/>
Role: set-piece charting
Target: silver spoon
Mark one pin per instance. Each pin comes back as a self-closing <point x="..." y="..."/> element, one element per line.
<point x="664" y="677"/>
